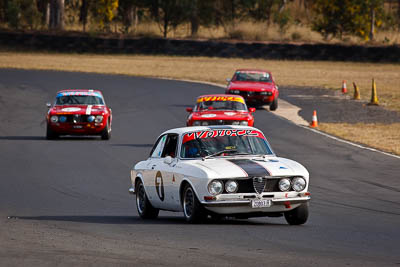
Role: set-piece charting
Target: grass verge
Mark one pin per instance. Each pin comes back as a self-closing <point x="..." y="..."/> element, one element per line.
<point x="287" y="73"/>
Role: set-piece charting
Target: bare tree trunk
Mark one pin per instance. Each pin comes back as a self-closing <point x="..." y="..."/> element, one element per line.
<point x="47" y="14"/>
<point x="372" y="29"/>
<point x="83" y="13"/>
<point x="282" y="5"/>
<point x="194" y="19"/>
<point x="56" y="14"/>
<point x="398" y="13"/>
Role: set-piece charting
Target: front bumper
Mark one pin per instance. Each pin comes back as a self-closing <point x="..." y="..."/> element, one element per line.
<point x="92" y="128"/>
<point x="233" y="204"/>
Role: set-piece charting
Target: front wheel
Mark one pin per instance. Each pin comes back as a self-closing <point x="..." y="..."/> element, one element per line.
<point x="106" y="134"/>
<point x="298" y="215"/>
<point x="50" y="134"/>
<point x="274" y="105"/>
<point x="192" y="208"/>
<point x="143" y="205"/>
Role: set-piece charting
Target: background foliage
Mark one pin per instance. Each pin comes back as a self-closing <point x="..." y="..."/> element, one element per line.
<point x="333" y="19"/>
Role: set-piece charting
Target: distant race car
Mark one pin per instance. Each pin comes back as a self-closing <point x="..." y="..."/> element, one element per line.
<point x="79" y="112"/>
<point x="220" y="110"/>
<point x="256" y="86"/>
<point x="219" y="171"/>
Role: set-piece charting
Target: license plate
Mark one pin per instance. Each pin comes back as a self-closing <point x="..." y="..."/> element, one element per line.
<point x="78" y="126"/>
<point x="261" y="203"/>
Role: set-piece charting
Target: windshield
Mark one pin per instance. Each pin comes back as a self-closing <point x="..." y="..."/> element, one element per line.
<point x="228" y="141"/>
<point x="220" y="103"/>
<point x="79" y="98"/>
<point x="248" y="76"/>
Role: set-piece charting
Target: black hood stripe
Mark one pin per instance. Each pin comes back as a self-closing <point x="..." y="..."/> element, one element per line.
<point x="250" y="167"/>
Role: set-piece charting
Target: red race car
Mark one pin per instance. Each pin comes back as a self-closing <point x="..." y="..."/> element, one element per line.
<point x="79" y="112"/>
<point x="256" y="86"/>
<point x="220" y="110"/>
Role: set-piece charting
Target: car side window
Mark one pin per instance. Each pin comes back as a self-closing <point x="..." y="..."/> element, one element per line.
<point x="158" y="147"/>
<point x="170" y="146"/>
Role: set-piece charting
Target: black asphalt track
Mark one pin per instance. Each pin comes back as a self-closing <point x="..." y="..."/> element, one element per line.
<point x="66" y="202"/>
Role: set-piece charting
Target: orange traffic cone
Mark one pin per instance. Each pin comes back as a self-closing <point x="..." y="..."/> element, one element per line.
<point x="314" y="122"/>
<point x="344" y="87"/>
<point x="374" y="96"/>
<point x="356" y="92"/>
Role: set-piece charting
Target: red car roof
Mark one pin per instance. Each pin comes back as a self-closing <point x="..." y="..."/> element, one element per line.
<point x="257" y="70"/>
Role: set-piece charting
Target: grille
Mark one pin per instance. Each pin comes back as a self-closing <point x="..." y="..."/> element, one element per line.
<point x="76" y="118"/>
<point x="247" y="186"/>
<point x="253" y="93"/>
<point x="259" y="184"/>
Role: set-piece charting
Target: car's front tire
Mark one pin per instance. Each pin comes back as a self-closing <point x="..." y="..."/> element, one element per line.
<point x="143" y="205"/>
<point x="50" y="134"/>
<point x="298" y="215"/>
<point x="106" y="134"/>
<point x="193" y="211"/>
<point x="274" y="105"/>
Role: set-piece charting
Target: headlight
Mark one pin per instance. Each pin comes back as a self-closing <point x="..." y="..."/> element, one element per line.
<point x="231" y="186"/>
<point x="90" y="118"/>
<point x="99" y="118"/>
<point x="298" y="184"/>
<point x="236" y="92"/>
<point x="244" y="123"/>
<point x="235" y="123"/>
<point x="204" y="123"/>
<point x="54" y="119"/>
<point x="265" y="93"/>
<point x="215" y="187"/>
<point x="63" y="119"/>
<point x="196" y="123"/>
<point x="284" y="184"/>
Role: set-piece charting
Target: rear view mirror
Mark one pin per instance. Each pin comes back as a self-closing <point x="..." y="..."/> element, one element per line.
<point x="168" y="160"/>
<point x="228" y="80"/>
<point x="48" y="105"/>
<point x="252" y="110"/>
<point x="189" y="109"/>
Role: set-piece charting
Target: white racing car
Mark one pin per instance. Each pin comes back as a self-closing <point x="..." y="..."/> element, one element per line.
<point x="219" y="171"/>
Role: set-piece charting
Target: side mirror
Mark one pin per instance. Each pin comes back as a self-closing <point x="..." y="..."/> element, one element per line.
<point x="189" y="109"/>
<point x="48" y="105"/>
<point x="168" y="160"/>
<point x="252" y="110"/>
<point x="228" y="80"/>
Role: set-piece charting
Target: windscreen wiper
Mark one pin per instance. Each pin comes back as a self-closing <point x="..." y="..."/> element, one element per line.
<point x="220" y="152"/>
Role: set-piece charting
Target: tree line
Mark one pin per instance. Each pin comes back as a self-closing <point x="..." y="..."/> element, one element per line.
<point x="331" y="18"/>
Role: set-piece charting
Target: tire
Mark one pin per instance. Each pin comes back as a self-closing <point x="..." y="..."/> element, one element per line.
<point x="298" y="215"/>
<point x="50" y="134"/>
<point x="143" y="205"/>
<point x="193" y="211"/>
<point x="274" y="105"/>
<point x="106" y="133"/>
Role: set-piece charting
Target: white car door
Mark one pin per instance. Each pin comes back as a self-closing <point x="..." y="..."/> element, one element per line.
<point x="153" y="176"/>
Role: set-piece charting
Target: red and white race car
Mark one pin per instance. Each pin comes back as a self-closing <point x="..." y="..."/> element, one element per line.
<point x="256" y="86"/>
<point x="79" y="112"/>
<point x="220" y="110"/>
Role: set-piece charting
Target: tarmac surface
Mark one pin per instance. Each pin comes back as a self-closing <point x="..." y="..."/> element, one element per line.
<point x="66" y="202"/>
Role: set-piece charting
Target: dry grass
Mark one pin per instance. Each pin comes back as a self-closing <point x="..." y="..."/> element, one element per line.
<point x="287" y="73"/>
<point x="381" y="136"/>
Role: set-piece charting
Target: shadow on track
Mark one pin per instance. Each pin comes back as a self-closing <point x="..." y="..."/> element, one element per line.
<point x="134" y="145"/>
<point x="26" y="138"/>
<point x="138" y="220"/>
